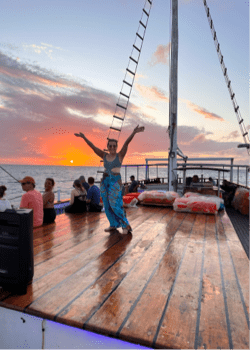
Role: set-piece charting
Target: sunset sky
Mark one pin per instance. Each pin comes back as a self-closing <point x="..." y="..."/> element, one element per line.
<point x="62" y="63"/>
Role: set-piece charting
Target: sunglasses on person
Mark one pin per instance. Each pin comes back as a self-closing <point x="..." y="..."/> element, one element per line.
<point x="112" y="146"/>
<point x="24" y="183"/>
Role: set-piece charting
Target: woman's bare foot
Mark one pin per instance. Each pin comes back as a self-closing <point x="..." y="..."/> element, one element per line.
<point x="127" y="230"/>
<point x="109" y="229"/>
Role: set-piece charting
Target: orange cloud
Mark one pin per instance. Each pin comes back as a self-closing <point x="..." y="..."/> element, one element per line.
<point x="152" y="93"/>
<point x="204" y="112"/>
<point x="161" y="55"/>
<point x="199" y="138"/>
<point x="155" y="109"/>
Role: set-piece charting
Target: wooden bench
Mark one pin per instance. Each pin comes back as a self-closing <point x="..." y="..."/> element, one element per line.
<point x="181" y="281"/>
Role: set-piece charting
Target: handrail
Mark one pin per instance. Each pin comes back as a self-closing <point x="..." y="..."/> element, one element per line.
<point x="181" y="163"/>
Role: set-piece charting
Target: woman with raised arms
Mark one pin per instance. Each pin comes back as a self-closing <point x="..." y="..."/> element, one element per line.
<point x="111" y="184"/>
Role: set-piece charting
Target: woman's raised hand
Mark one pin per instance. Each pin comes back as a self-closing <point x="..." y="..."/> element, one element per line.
<point x="139" y="129"/>
<point x="79" y="135"/>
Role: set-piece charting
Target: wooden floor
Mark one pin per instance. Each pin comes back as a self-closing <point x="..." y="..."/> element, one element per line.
<point x="181" y="281"/>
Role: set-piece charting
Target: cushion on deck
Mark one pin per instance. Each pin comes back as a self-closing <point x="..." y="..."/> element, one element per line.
<point x="130" y="199"/>
<point x="241" y="200"/>
<point x="198" y="204"/>
<point x="160" y="198"/>
<point x="191" y="194"/>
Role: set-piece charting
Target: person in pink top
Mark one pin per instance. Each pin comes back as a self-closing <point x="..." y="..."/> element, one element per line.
<point x="32" y="199"/>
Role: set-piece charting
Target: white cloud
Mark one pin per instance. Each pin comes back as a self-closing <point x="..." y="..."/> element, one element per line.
<point x="46" y="49"/>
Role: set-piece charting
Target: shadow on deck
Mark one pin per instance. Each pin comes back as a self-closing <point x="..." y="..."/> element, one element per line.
<point x="241" y="225"/>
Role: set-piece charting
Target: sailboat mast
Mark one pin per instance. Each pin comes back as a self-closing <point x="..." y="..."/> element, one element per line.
<point x="173" y="100"/>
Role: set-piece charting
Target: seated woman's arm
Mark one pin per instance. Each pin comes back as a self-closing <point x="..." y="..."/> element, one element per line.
<point x="72" y="197"/>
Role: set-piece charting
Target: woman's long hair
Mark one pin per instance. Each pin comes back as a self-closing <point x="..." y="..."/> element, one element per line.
<point x="2" y="191"/>
<point x="77" y="183"/>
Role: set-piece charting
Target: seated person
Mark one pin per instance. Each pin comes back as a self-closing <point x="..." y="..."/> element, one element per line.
<point x="93" y="196"/>
<point x="196" y="182"/>
<point x="4" y="203"/>
<point x="134" y="185"/>
<point x="188" y="181"/>
<point x="212" y="181"/>
<point x="84" y="183"/>
<point x="195" y="179"/>
<point x="229" y="193"/>
<point x="78" y="199"/>
<point x="32" y="199"/>
<point x="49" y="213"/>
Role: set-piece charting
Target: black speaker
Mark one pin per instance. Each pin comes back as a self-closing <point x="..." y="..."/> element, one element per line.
<point x="16" y="250"/>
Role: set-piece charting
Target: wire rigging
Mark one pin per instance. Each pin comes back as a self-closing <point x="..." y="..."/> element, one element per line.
<point x="228" y="82"/>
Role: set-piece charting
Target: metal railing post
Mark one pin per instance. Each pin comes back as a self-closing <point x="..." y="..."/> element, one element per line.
<point x="219" y="183"/>
<point x="231" y="170"/>
<point x="247" y="177"/>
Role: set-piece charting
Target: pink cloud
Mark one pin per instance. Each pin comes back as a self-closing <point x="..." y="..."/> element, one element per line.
<point x="204" y="112"/>
<point x="161" y="55"/>
<point x="232" y="135"/>
<point x="153" y="93"/>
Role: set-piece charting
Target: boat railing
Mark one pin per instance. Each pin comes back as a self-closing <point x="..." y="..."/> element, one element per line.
<point x="161" y="163"/>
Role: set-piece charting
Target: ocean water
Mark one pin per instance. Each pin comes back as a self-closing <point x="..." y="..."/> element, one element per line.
<point x="64" y="177"/>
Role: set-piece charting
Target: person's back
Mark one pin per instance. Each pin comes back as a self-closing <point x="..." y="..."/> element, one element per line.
<point x="34" y="200"/>
<point x="93" y="196"/>
<point x="77" y="200"/>
<point x="4" y="203"/>
<point x="134" y="184"/>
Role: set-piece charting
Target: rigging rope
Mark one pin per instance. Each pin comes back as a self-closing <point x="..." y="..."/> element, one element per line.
<point x="9" y="173"/>
<point x="228" y="82"/>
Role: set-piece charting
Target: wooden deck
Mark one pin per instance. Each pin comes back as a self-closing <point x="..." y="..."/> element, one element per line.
<point x="181" y="281"/>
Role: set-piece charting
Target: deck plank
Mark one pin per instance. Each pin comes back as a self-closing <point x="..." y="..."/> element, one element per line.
<point x="52" y="273"/>
<point x="213" y="331"/>
<point x="114" y="311"/>
<point x="84" y="275"/>
<point x="157" y="291"/>
<point x="236" y="314"/>
<point x="179" y="319"/>
<point x="180" y="281"/>
<point x="91" y="300"/>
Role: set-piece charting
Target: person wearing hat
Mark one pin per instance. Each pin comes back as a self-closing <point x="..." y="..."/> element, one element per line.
<point x="32" y="199"/>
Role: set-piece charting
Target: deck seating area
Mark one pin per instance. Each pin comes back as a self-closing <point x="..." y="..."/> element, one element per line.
<point x="180" y="281"/>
